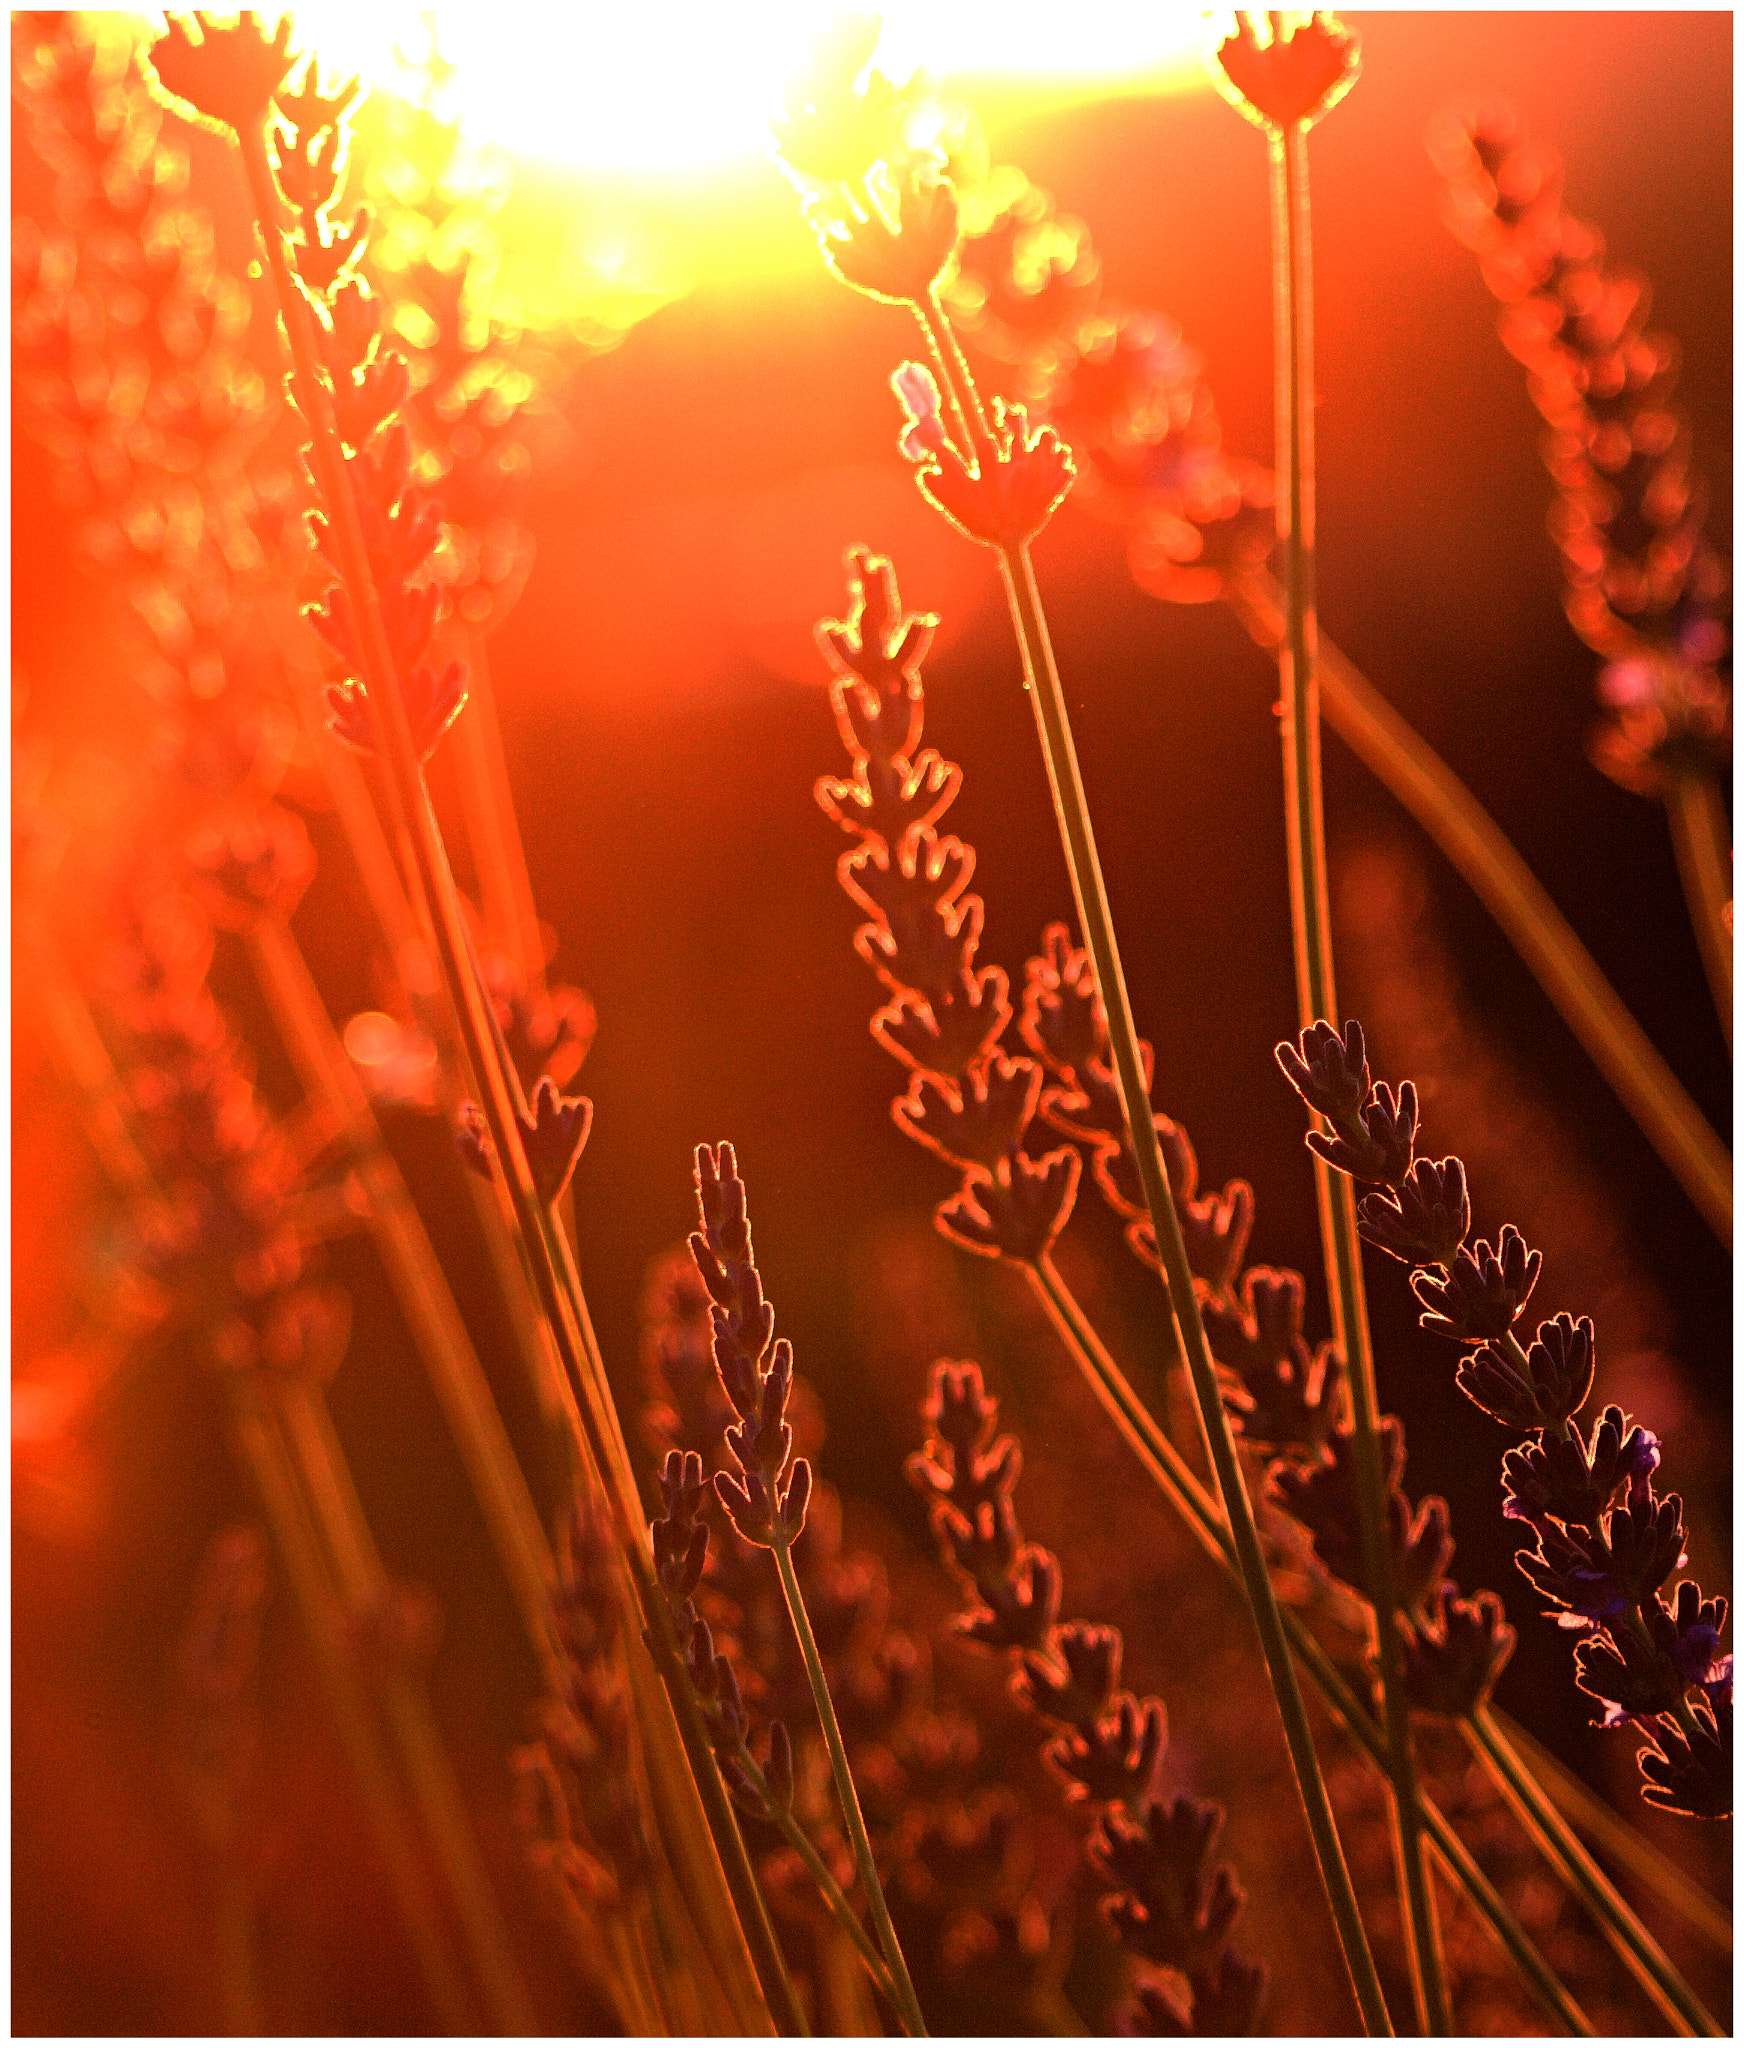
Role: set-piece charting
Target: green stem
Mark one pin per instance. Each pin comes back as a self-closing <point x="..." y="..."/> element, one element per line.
<point x="802" y="1845"/>
<point x="1471" y="839"/>
<point x="326" y="1476"/>
<point x="837" y="1901"/>
<point x="1311" y="924"/>
<point x="1702" y="842"/>
<point x="1613" y="1834"/>
<point x="1041" y="679"/>
<point x="431" y="893"/>
<point x="271" y="1467"/>
<point x="1178" y="1484"/>
<point x="907" y="2005"/>
<point x="1651" y="1967"/>
<point x="426" y="1302"/>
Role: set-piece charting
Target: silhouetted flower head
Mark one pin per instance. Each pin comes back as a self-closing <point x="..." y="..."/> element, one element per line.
<point x="1692" y="1773"/>
<point x="1574" y="1481"/>
<point x="1282" y="1394"/>
<point x="1008" y="494"/>
<point x="1424" y="1219"/>
<point x="1226" y="2001"/>
<point x="1453" y="1659"/>
<point x="1594" y="1575"/>
<point x="1173" y="1908"/>
<point x="221" y="77"/>
<point x="755" y="1368"/>
<point x="1295" y="75"/>
<point x="1483" y="1290"/>
<point x="1328" y="1069"/>
<point x="553" y="1135"/>
<point x="1322" y="1495"/>
<point x="899" y="264"/>
<point x="1555" y="1382"/>
<point x="1016" y="1211"/>
<point x="1637" y="1680"/>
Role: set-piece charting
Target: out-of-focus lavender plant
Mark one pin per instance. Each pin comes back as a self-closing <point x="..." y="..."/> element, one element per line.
<point x="1644" y="586"/>
<point x="1169" y="1905"/>
<point x="217" y="1744"/>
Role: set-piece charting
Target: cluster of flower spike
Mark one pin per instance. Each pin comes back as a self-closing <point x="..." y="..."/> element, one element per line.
<point x="1606" y="1544"/>
<point x="967" y="1102"/>
<point x="756" y="1373"/>
<point x="367" y="385"/>
<point x="1170" y="1905"/>
<point x="957" y="1850"/>
<point x="576" y="1791"/>
<point x="1644" y="587"/>
<point x="975" y="1106"/>
<point x="235" y="78"/>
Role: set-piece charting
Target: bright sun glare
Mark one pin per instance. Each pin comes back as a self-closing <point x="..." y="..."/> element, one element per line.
<point x="688" y="85"/>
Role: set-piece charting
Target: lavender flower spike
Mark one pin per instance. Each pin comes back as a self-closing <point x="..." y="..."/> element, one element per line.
<point x="756" y="1371"/>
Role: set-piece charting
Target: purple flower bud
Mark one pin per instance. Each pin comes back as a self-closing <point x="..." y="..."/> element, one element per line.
<point x="1483" y="1291"/>
<point x="1114" y="1760"/>
<point x="1391" y="1123"/>
<point x="1453" y="1660"/>
<point x="1645" y="1538"/>
<point x="1692" y="1773"/>
<point x="1075" y="1681"/>
<point x="1017" y="1212"/>
<point x="1556" y="1380"/>
<point x="1062" y="1018"/>
<point x="1174" y="1910"/>
<point x="793" y="1501"/>
<point x="1572" y="1481"/>
<point x="1425" y="1219"/>
<point x="924" y="434"/>
<point x="978" y="1122"/>
<point x="1226" y="2000"/>
<point x="1329" y="1072"/>
<point x="747" y="1506"/>
<point x="554" y="1138"/>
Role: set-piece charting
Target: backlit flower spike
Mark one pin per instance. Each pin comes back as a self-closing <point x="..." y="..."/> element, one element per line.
<point x="1009" y="493"/>
<point x="898" y="264"/>
<point x="1692" y="1773"/>
<point x="217" y="77"/>
<point x="553" y="1137"/>
<point x="756" y="1369"/>
<point x="1304" y="66"/>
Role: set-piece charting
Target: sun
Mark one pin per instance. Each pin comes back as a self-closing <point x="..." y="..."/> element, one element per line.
<point x="686" y="87"/>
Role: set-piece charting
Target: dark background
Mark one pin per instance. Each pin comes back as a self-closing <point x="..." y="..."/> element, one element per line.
<point x="665" y="717"/>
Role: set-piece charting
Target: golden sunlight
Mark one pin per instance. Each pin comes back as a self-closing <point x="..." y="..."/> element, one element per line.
<point x="680" y="87"/>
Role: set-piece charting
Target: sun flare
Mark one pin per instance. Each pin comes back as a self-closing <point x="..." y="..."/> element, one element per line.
<point x="679" y="88"/>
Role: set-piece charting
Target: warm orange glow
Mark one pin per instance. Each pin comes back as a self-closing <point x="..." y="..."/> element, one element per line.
<point x="692" y="87"/>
